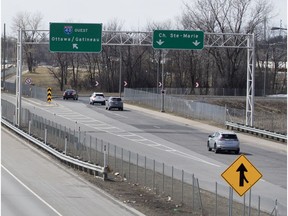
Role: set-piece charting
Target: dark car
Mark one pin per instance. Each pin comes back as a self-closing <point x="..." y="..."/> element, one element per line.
<point x="70" y="93"/>
<point x="114" y="103"/>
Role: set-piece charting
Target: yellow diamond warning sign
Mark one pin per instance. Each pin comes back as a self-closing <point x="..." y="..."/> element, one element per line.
<point x="241" y="175"/>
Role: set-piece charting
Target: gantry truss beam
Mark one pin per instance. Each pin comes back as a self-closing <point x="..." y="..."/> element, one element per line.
<point x="132" y="38"/>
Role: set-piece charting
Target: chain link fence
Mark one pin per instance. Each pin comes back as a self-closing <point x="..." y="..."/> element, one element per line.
<point x="28" y="91"/>
<point x="178" y="105"/>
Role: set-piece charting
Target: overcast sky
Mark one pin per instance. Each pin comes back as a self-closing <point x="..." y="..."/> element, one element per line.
<point x="134" y="14"/>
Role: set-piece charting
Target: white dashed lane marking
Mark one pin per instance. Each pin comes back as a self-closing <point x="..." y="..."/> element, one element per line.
<point x="101" y="126"/>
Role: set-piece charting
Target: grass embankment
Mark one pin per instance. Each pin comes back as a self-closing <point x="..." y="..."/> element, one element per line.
<point x="42" y="77"/>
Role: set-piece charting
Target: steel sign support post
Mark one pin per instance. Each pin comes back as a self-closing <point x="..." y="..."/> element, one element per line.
<point x="18" y="79"/>
<point x="250" y="80"/>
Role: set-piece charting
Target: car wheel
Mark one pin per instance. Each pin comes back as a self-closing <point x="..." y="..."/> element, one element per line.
<point x="215" y="149"/>
<point x="103" y="103"/>
<point x="109" y="108"/>
<point x="209" y="149"/>
<point x="237" y="151"/>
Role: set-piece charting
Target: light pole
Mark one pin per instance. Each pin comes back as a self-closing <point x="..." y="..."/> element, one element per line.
<point x="269" y="45"/>
<point x="162" y="89"/>
<point x="279" y="28"/>
<point x="4" y="57"/>
<point x="120" y="72"/>
<point x="281" y="41"/>
<point x="164" y="53"/>
<point x="117" y="59"/>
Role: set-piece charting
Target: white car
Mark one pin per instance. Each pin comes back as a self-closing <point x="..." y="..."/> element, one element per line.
<point x="223" y="141"/>
<point x="97" y="97"/>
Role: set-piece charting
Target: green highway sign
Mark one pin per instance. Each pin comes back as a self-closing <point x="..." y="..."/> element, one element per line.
<point x="75" y="37"/>
<point x="174" y="39"/>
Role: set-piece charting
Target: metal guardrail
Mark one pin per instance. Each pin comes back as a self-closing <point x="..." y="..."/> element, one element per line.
<point x="59" y="155"/>
<point x="257" y="131"/>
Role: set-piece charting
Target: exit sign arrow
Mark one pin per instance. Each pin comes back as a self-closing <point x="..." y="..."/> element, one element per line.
<point x="196" y="43"/>
<point x="160" y="42"/>
<point x="75" y="46"/>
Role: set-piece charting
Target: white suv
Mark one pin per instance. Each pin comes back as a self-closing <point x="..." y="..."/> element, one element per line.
<point x="97" y="97"/>
<point x="223" y="141"/>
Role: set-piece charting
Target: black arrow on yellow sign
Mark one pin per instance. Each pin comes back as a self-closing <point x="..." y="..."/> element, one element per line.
<point x="242" y="169"/>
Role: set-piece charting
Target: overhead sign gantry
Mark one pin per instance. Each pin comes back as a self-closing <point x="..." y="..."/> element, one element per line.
<point x="136" y="38"/>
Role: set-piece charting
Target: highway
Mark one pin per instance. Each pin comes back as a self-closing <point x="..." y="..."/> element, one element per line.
<point x="173" y="140"/>
<point x="34" y="184"/>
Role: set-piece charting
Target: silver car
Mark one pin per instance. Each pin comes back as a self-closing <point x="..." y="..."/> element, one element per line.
<point x="223" y="141"/>
<point x="114" y="103"/>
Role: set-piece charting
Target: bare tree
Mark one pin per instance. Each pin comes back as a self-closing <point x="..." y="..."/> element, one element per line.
<point x="60" y="72"/>
<point x="226" y="16"/>
<point x="92" y="63"/>
<point x="32" y="22"/>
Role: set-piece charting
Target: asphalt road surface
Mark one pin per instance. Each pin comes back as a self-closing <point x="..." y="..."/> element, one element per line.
<point x="34" y="184"/>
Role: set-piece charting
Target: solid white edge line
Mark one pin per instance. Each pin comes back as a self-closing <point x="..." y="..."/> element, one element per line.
<point x="31" y="191"/>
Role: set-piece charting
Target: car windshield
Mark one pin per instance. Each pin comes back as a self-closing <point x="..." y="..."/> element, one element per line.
<point x="229" y="136"/>
<point x="115" y="99"/>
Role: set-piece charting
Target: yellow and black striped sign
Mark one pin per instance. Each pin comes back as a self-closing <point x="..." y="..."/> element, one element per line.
<point x="49" y="94"/>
